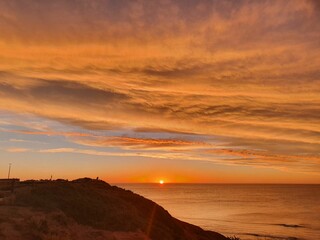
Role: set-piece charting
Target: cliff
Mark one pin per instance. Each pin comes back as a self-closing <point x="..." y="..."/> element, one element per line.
<point x="87" y="209"/>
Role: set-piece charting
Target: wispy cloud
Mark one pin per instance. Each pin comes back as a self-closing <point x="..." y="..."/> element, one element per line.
<point x="241" y="73"/>
<point x="162" y="155"/>
<point x="140" y="143"/>
<point x="17" y="150"/>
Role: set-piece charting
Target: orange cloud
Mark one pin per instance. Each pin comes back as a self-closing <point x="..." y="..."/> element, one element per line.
<point x="240" y="73"/>
<point x="17" y="150"/>
<point x="140" y="143"/>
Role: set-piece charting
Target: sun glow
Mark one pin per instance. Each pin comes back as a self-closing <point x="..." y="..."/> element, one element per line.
<point x="161" y="182"/>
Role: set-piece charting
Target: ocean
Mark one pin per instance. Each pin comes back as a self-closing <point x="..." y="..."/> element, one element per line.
<point x="248" y="211"/>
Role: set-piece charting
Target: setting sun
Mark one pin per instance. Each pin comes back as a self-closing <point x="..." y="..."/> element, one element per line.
<point x="161" y="182"/>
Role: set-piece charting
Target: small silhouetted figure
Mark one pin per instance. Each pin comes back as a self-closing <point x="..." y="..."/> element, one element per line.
<point x="97" y="178"/>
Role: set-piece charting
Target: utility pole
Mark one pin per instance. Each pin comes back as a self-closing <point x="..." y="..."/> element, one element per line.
<point x="9" y="171"/>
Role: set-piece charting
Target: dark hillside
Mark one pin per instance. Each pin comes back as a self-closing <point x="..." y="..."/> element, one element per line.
<point x="96" y="204"/>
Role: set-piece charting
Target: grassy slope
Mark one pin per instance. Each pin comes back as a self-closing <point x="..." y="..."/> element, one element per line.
<point x="97" y="204"/>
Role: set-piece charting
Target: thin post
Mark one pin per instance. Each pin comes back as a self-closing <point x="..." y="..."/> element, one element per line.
<point x="9" y="171"/>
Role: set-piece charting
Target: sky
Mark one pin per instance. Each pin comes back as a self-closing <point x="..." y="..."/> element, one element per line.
<point x="138" y="91"/>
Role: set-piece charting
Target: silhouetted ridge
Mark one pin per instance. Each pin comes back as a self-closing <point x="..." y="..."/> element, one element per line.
<point x="97" y="204"/>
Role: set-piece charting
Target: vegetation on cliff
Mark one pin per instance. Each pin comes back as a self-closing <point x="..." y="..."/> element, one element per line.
<point x="96" y="204"/>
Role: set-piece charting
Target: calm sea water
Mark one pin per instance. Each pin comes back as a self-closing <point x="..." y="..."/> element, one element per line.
<point x="259" y="212"/>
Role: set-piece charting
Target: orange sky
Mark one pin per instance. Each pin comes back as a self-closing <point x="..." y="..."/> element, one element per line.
<point x="136" y="91"/>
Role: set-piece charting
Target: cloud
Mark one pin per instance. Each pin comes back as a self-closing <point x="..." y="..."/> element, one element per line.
<point x="238" y="72"/>
<point x="61" y="92"/>
<point x="25" y="141"/>
<point x="155" y="155"/>
<point x="51" y="133"/>
<point x="288" y="162"/>
<point x="17" y="150"/>
<point x="286" y="156"/>
<point x="140" y="143"/>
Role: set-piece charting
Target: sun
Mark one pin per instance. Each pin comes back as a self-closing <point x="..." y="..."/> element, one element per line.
<point x="161" y="181"/>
